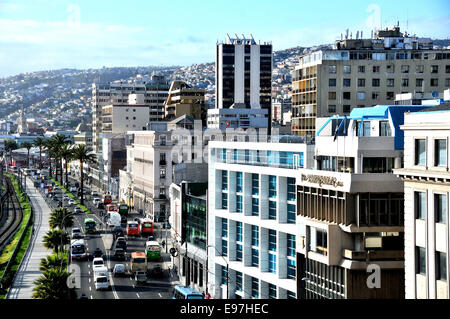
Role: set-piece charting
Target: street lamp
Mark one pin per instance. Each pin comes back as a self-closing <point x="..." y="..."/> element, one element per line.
<point x="228" y="274"/>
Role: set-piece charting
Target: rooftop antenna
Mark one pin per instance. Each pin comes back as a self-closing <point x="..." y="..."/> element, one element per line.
<point x="361" y="34"/>
<point x="251" y="36"/>
<point x="351" y="34"/>
<point x="357" y="35"/>
<point x="243" y="37"/>
<point x="229" y="39"/>
<point x="346" y="34"/>
<point x="341" y="37"/>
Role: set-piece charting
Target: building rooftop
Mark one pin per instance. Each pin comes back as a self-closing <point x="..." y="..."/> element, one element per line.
<point x="443" y="107"/>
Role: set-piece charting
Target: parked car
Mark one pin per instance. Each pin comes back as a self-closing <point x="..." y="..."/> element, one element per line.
<point x="119" y="270"/>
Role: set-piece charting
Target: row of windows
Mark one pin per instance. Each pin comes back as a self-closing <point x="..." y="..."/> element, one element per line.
<point x="441" y="263"/>
<point x="440" y="152"/>
<point x="389" y="82"/>
<point x="440" y="206"/>
<point x="390" y="68"/>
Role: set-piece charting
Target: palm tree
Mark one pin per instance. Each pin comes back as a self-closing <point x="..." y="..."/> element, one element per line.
<point x="60" y="218"/>
<point x="53" y="285"/>
<point x="28" y="146"/>
<point x="66" y="153"/>
<point x="58" y="141"/>
<point x="10" y="145"/>
<point x="40" y="142"/>
<point x="82" y="154"/>
<point x="54" y="238"/>
<point x="51" y="262"/>
<point x="49" y="146"/>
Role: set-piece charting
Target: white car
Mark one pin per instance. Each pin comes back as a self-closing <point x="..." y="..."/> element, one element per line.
<point x="77" y="210"/>
<point x="71" y="202"/>
<point x="76" y="233"/>
<point x="96" y="200"/>
<point x="72" y="189"/>
<point x="94" y="193"/>
<point x="119" y="270"/>
<point x="101" y="278"/>
<point x="98" y="262"/>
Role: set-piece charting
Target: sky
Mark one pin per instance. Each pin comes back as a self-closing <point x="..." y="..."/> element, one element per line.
<point x="52" y="34"/>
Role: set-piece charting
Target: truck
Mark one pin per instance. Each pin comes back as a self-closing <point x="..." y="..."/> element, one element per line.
<point x="113" y="219"/>
<point x="138" y="262"/>
<point x="101" y="278"/>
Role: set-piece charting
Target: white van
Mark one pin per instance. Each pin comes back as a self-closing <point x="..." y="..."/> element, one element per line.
<point x="114" y="219"/>
<point x="101" y="278"/>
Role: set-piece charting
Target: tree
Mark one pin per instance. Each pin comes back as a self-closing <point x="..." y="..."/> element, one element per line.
<point x="10" y="145"/>
<point x="40" y="142"/>
<point x="49" y="147"/>
<point x="53" y="261"/>
<point x="66" y="153"/>
<point x="54" y="238"/>
<point x="58" y="141"/>
<point x="60" y="218"/>
<point x="82" y="154"/>
<point x="28" y="146"/>
<point x="53" y="285"/>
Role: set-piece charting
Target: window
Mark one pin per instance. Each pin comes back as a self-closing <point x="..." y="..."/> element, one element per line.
<point x="375" y="82"/>
<point x="162" y="173"/>
<point x="332" y="82"/>
<point x="238" y="182"/>
<point x="238" y="252"/>
<point x="375" y="95"/>
<point x="346" y="108"/>
<point x="366" y="128"/>
<point x="441" y="266"/>
<point x="440" y="208"/>
<point x="255" y="206"/>
<point x="272" y="186"/>
<point x="290" y="245"/>
<point x="405" y="82"/>
<point x="272" y="209"/>
<point x="419" y="82"/>
<point x="361" y="69"/>
<point x="376" y="69"/>
<point x="224" y="248"/>
<point x="291" y="188"/>
<point x="272" y="263"/>
<point x="434" y="69"/>
<point x="332" y="69"/>
<point x="239" y="203"/>
<point x="361" y="95"/>
<point x="421" y="261"/>
<point x="272" y="240"/>
<point x="238" y="281"/>
<point x="389" y="95"/>
<point x="447" y="82"/>
<point x="347" y="69"/>
<point x="291" y="269"/>
<point x="346" y="95"/>
<point x="255" y="184"/>
<point x="390" y="68"/>
<point x="385" y="128"/>
<point x="331" y="108"/>
<point x="255" y="287"/>
<point x="434" y="82"/>
<point x="255" y="235"/>
<point x="224" y="227"/>
<point x="390" y="82"/>
<point x="272" y="291"/>
<point x="321" y="241"/>
<point x="224" y="200"/>
<point x="420" y="152"/>
<point x="290" y="295"/>
<point x="440" y="152"/>
<point x="291" y="214"/>
<point x="405" y="68"/>
<point x="419" y="68"/>
<point x="447" y="69"/>
<point x="420" y="205"/>
<point x="361" y="82"/>
<point x="346" y="82"/>
<point x="332" y="95"/>
<point x="255" y="257"/>
<point x="224" y="275"/>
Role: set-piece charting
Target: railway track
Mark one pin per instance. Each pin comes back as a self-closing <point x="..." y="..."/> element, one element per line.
<point x="14" y="215"/>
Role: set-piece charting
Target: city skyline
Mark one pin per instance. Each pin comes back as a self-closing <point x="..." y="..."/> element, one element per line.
<point x="45" y="34"/>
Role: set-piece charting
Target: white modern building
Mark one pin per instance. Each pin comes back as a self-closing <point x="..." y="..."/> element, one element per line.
<point x="237" y="118"/>
<point x="427" y="191"/>
<point x="252" y="218"/>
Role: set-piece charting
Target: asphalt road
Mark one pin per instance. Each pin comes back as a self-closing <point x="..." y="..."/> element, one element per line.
<point x="121" y="287"/>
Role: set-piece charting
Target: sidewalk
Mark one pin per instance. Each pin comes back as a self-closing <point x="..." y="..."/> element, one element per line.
<point x="22" y="287"/>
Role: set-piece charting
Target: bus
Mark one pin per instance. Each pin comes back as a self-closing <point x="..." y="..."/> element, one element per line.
<point x="146" y="226"/>
<point x="107" y="199"/>
<point x="153" y="250"/>
<point x="112" y="208"/>
<point x="132" y="228"/>
<point x="123" y="209"/>
<point x="182" y="292"/>
<point x="78" y="249"/>
<point x="138" y="262"/>
<point x="90" y="226"/>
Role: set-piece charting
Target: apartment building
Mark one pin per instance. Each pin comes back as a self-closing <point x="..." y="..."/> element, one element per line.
<point x="243" y="75"/>
<point x="427" y="190"/>
<point x="116" y="93"/>
<point x="252" y="225"/>
<point x="279" y="108"/>
<point x="185" y="100"/>
<point x="362" y="73"/>
<point x="350" y="207"/>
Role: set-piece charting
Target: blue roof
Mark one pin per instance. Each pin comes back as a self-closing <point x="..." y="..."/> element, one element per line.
<point x="187" y="290"/>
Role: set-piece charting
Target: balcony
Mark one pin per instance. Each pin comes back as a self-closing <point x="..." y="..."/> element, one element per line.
<point x="373" y="255"/>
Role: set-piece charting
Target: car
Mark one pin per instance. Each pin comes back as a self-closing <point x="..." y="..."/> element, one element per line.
<point x="77" y="210"/>
<point x="151" y="238"/>
<point x="94" y="193"/>
<point x="96" y="200"/>
<point x="98" y="262"/>
<point x="140" y="277"/>
<point x="76" y="233"/>
<point x="121" y="242"/>
<point x="100" y="205"/>
<point x="119" y="270"/>
<point x="71" y="202"/>
<point x="119" y="253"/>
<point x="72" y="189"/>
<point x="157" y="271"/>
<point x="97" y="253"/>
<point x="66" y="197"/>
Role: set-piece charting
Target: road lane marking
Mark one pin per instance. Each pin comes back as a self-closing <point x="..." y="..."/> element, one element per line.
<point x="92" y="297"/>
<point x="89" y="280"/>
<point x="90" y="289"/>
<point x="159" y="295"/>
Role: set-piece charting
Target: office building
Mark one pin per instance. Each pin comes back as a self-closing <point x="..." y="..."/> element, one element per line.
<point x="363" y="73"/>
<point x="427" y="189"/>
<point x="252" y="230"/>
<point x="185" y="100"/>
<point x="243" y="75"/>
